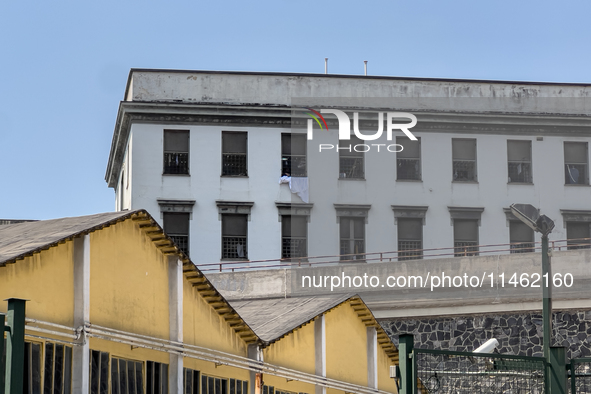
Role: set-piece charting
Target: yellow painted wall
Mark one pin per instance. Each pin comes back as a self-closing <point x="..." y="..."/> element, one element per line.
<point x="346" y="345"/>
<point x="385" y="382"/>
<point x="128" y="281"/>
<point x="295" y="350"/>
<point x="202" y="325"/>
<point x="46" y="279"/>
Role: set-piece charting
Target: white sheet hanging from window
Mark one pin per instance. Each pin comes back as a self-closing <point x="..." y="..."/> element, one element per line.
<point x="297" y="185"/>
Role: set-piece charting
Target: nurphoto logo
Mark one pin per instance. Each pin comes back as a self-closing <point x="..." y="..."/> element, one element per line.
<point x="345" y="129"/>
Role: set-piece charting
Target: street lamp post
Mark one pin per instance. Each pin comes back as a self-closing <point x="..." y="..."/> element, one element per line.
<point x="555" y="357"/>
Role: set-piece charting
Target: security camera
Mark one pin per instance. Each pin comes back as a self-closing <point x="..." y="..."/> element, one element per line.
<point x="488" y="346"/>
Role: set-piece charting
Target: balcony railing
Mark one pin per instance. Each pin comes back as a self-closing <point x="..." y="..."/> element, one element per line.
<point x="389" y="256"/>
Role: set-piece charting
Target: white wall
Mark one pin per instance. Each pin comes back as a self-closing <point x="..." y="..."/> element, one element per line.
<point x="380" y="189"/>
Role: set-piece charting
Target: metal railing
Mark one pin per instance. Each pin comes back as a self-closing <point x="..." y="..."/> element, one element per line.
<point x="580" y="376"/>
<point x="390" y="256"/>
<point x="176" y="163"/>
<point x="448" y="372"/>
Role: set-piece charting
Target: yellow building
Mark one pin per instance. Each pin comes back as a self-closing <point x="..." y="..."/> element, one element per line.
<point x="114" y="307"/>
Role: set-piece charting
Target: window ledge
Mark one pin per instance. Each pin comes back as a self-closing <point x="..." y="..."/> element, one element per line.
<point x="577" y="184"/>
<point x="352" y="179"/>
<point x="165" y="174"/>
<point x="521" y="183"/>
<point x="469" y="182"/>
<point x="233" y="176"/>
<point x="409" y="180"/>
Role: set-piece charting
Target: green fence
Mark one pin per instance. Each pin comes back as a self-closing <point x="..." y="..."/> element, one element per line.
<point x="447" y="372"/>
<point x="580" y="376"/>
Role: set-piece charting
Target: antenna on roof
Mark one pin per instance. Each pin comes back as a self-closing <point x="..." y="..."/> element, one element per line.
<point x="326" y="65"/>
<point x="365" y="62"/>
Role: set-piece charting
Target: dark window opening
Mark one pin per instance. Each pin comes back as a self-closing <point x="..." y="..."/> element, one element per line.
<point x="577" y="235"/>
<point x="58" y="369"/>
<point x="352" y="236"/>
<point x="465" y="237"/>
<point x="410" y="239"/>
<point x="408" y="161"/>
<point x="464" y="160"/>
<point x="234" y="153"/>
<point x="351" y="162"/>
<point x="294" y="236"/>
<point x="519" y="161"/>
<point x="126" y="376"/>
<point x="576" y="163"/>
<point x="293" y="155"/>
<point x="176" y="152"/>
<point x="176" y="226"/>
<point x="521" y="237"/>
<point x="156" y="378"/>
<point x="234" y="236"/>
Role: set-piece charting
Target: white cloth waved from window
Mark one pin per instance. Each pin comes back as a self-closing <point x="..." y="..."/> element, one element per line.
<point x="297" y="185"/>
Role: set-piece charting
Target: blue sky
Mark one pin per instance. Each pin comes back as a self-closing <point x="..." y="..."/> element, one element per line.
<point x="64" y="66"/>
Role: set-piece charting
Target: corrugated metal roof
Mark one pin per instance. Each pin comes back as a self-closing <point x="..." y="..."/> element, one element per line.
<point x="22" y="239"/>
<point x="272" y="318"/>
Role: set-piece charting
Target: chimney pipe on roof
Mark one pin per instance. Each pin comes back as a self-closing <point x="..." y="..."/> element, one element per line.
<point x="326" y="65"/>
<point x="365" y="62"/>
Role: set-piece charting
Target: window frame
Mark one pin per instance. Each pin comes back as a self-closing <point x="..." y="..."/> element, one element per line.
<point x="291" y="237"/>
<point x="475" y="161"/>
<point x="358" y="157"/>
<point x="245" y="237"/>
<point x="182" y="241"/>
<point x="405" y="254"/>
<point x="143" y="379"/>
<point x="224" y="154"/>
<point x="288" y="157"/>
<point x="530" y="162"/>
<point x="165" y="152"/>
<point x="567" y="163"/>
<point x="419" y="161"/>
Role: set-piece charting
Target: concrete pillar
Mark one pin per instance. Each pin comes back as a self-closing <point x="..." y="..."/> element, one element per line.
<point x="81" y="355"/>
<point x="320" y="351"/>
<point x="254" y="353"/>
<point x="175" y="307"/>
<point x="372" y="357"/>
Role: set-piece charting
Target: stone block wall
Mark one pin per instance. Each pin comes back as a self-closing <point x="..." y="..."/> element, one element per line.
<point x="519" y="333"/>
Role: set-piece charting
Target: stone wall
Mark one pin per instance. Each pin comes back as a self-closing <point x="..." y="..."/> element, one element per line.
<point x="519" y="334"/>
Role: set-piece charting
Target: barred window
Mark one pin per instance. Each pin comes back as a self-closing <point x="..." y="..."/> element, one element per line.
<point x="156" y="378"/>
<point x="521" y="237"/>
<point x="99" y="372"/>
<point x="126" y="376"/>
<point x="176" y="152"/>
<point x="465" y="237"/>
<point x="279" y="391"/>
<point x="213" y="385"/>
<point x="464" y="160"/>
<point x="578" y="234"/>
<point x="408" y="161"/>
<point x="190" y="381"/>
<point x="351" y="164"/>
<point x="576" y="163"/>
<point x="176" y="226"/>
<point x="293" y="154"/>
<point x="32" y="372"/>
<point x="294" y="236"/>
<point x="410" y="239"/>
<point x="352" y="235"/>
<point x="519" y="161"/>
<point x="234" y="236"/>
<point x="234" y="149"/>
<point x="268" y="389"/>
<point x="238" y="386"/>
<point x="58" y="369"/>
